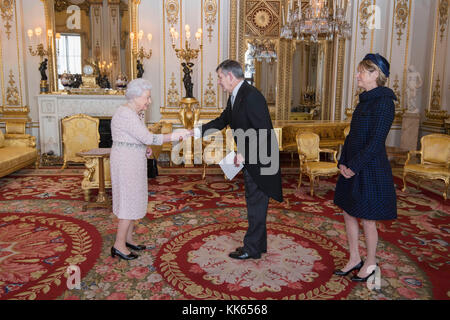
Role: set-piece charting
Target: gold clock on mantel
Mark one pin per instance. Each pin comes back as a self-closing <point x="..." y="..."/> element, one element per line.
<point x="88" y="78"/>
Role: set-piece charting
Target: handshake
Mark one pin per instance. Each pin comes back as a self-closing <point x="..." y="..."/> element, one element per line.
<point x="181" y="134"/>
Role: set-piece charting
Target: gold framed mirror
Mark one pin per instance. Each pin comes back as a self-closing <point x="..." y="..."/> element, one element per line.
<point x="260" y="67"/>
<point x="310" y="83"/>
<point x="259" y="20"/>
<point x="91" y="39"/>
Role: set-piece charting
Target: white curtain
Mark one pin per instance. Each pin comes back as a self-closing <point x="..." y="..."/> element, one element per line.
<point x="69" y="54"/>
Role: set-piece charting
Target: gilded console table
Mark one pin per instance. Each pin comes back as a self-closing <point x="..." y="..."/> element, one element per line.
<point x="91" y="175"/>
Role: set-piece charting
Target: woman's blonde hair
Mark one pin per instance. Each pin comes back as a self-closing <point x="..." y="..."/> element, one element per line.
<point x="371" y="67"/>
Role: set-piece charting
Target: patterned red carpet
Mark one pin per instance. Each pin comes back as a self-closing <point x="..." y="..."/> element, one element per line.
<point x="36" y="249"/>
<point x="193" y="224"/>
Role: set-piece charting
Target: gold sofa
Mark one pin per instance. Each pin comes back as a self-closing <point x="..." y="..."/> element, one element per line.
<point x="17" y="151"/>
<point x="434" y="160"/>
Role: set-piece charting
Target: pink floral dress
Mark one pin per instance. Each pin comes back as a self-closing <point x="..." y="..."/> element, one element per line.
<point x="129" y="163"/>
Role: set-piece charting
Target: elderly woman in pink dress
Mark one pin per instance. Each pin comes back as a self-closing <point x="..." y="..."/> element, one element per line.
<point x="128" y="161"/>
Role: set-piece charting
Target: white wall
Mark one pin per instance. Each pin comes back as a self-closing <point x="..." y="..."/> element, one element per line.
<point x="421" y="49"/>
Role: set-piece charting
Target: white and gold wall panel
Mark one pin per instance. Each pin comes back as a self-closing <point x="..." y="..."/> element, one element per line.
<point x="399" y="49"/>
<point x="382" y="27"/>
<point x="12" y="72"/>
<point x="437" y="109"/>
<point x="164" y="69"/>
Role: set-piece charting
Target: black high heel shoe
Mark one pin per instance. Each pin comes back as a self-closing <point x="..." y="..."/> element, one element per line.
<point x="341" y="273"/>
<point x="139" y="247"/>
<point x="359" y="279"/>
<point x="115" y="252"/>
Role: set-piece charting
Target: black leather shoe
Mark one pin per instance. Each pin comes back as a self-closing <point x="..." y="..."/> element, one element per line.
<point x="115" y="252"/>
<point x="341" y="273"/>
<point x="139" y="247"/>
<point x="359" y="279"/>
<point x="242" y="249"/>
<point x="242" y="255"/>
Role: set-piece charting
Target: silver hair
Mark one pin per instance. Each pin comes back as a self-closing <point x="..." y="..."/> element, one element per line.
<point x="136" y="88"/>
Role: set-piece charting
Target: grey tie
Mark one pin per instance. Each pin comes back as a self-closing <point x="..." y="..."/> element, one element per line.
<point x="232" y="101"/>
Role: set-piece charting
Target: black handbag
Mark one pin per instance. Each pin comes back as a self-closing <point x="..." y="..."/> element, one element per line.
<point x="152" y="168"/>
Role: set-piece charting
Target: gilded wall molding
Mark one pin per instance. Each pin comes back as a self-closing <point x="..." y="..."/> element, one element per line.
<point x="340" y="79"/>
<point x="443" y="17"/>
<point x="210" y="8"/>
<point x="173" y="97"/>
<point x="435" y="115"/>
<point x="262" y="18"/>
<point x="396" y="89"/>
<point x="401" y="18"/>
<point x="7" y="12"/>
<point x="12" y="93"/>
<point x="242" y="49"/>
<point x="365" y="14"/>
<point x="210" y="94"/>
<point x="435" y="104"/>
<point x="233" y="28"/>
<point x="172" y="11"/>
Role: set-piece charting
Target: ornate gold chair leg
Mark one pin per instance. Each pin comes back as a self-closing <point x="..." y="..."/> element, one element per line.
<point x="204" y="171"/>
<point x="311" y="182"/>
<point x="86" y="195"/>
<point x="447" y="181"/>
<point x="64" y="165"/>
<point x="299" y="180"/>
<point x="404" y="182"/>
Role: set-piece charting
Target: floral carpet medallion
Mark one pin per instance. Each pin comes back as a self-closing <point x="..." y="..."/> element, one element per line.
<point x="299" y="263"/>
<point x="190" y="228"/>
<point x="197" y="262"/>
<point x="37" y="249"/>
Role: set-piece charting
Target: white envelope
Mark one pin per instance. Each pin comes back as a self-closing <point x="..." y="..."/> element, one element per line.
<point x="228" y="167"/>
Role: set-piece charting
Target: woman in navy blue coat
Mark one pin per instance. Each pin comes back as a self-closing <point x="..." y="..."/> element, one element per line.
<point x="365" y="189"/>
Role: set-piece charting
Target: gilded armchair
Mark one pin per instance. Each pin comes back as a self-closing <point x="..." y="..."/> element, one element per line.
<point x="309" y="156"/>
<point x="434" y="160"/>
<point x="79" y="133"/>
<point x="346" y="131"/>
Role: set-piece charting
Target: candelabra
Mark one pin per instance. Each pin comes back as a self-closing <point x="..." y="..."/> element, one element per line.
<point x="189" y="112"/>
<point x="41" y="52"/>
<point x="185" y="55"/>
<point x="140" y="53"/>
<point x="318" y="19"/>
<point x="105" y="74"/>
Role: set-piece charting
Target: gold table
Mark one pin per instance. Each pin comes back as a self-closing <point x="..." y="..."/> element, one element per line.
<point x="102" y="199"/>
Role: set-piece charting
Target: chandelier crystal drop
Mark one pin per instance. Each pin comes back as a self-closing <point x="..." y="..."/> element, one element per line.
<point x="262" y="49"/>
<point x="318" y="19"/>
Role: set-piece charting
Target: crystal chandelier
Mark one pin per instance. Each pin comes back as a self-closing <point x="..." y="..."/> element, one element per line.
<point x="262" y="49"/>
<point x="318" y="19"/>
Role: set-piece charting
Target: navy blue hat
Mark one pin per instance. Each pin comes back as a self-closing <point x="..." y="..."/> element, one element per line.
<point x="380" y="61"/>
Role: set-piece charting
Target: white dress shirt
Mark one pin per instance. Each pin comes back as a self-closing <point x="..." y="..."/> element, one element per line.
<point x="197" y="133"/>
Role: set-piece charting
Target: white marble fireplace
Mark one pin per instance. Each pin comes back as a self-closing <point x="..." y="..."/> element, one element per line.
<point x="52" y="108"/>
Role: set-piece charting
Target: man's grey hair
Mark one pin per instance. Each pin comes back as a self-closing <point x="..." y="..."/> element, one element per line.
<point x="232" y="66"/>
<point x="136" y="88"/>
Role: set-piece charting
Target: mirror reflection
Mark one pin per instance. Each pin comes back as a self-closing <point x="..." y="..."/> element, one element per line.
<point x="95" y="34"/>
<point x="261" y="67"/>
<point x="308" y="80"/>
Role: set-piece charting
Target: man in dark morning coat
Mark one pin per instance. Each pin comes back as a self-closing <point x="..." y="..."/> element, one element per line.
<point x="247" y="114"/>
